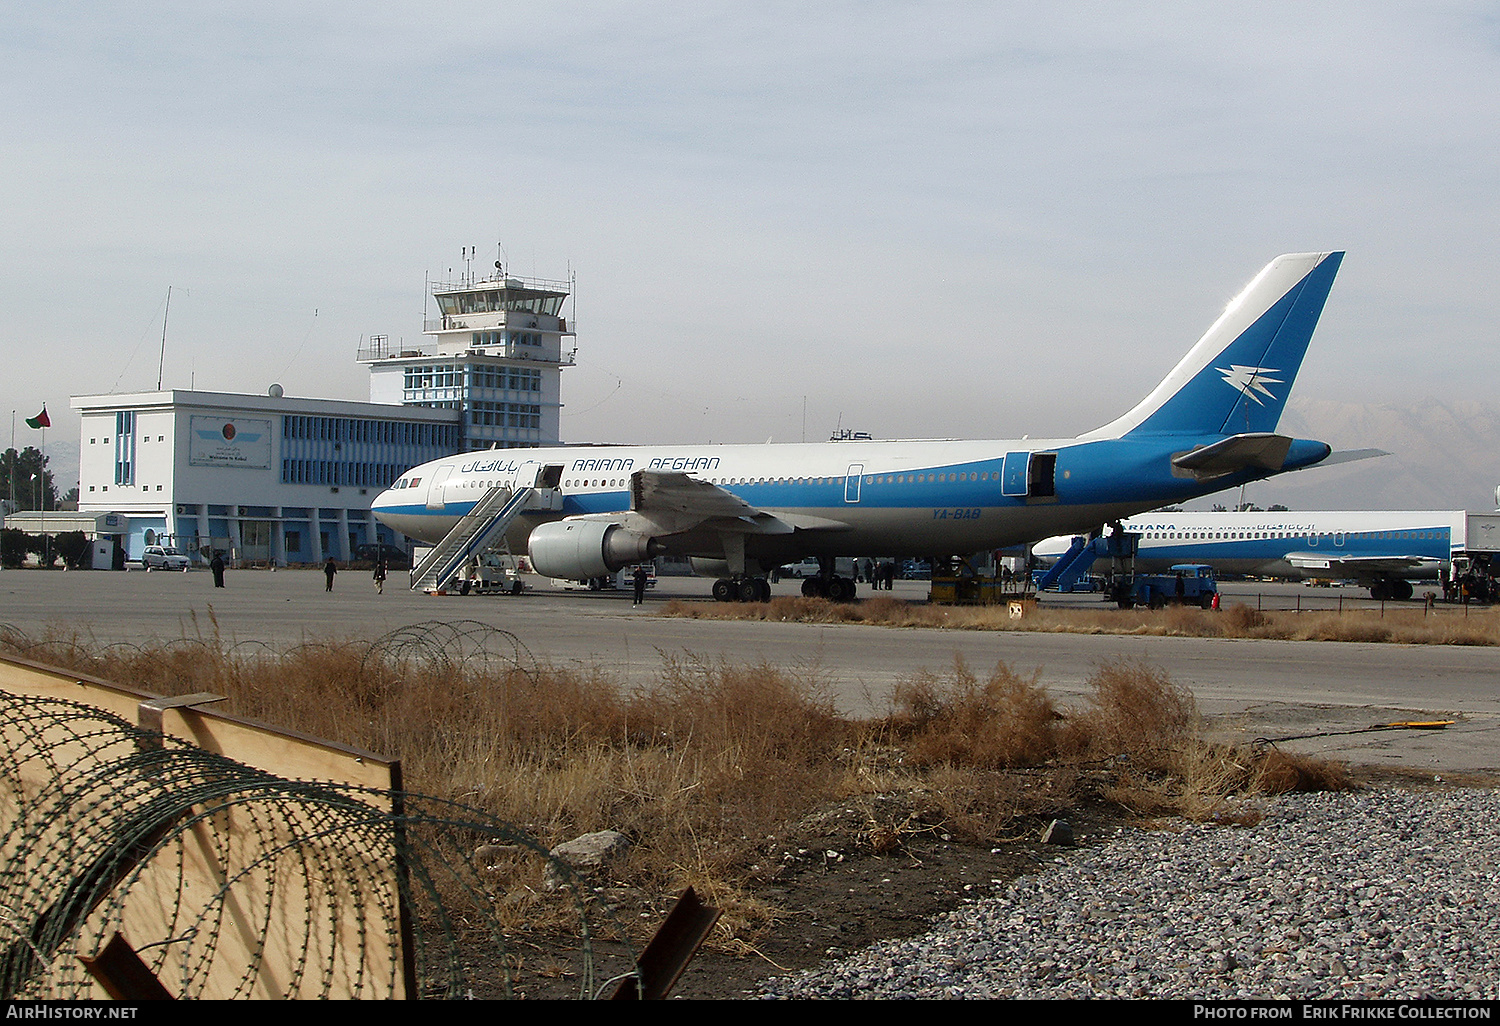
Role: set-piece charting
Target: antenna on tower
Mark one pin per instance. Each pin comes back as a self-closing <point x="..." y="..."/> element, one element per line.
<point x="162" y="360"/>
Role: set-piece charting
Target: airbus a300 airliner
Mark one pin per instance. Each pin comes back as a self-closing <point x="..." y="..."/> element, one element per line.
<point x="740" y="510"/>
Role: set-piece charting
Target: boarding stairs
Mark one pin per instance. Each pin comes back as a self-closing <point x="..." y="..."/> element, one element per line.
<point x="472" y="534"/>
<point x="1071" y="567"/>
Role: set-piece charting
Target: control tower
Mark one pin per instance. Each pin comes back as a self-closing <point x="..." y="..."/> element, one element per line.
<point x="495" y="353"/>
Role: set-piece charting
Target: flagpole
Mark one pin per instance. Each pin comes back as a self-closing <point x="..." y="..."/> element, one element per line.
<point x="42" y="421"/>
<point x="162" y="361"/>
<point x="13" y="455"/>
<point x="46" y="542"/>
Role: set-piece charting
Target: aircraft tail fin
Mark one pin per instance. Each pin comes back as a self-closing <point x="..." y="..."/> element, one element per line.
<point x="1236" y="379"/>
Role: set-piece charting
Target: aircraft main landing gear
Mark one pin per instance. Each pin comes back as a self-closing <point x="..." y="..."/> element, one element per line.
<point x="1389" y="588"/>
<point x="836" y="589"/>
<point x="742" y="589"/>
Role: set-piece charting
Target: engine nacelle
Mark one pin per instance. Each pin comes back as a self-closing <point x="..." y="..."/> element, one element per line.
<point x="708" y="566"/>
<point x="704" y="566"/>
<point x="576" y="550"/>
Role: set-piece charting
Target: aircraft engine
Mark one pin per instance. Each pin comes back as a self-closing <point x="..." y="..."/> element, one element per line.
<point x="576" y="550"/>
<point x="707" y="566"/>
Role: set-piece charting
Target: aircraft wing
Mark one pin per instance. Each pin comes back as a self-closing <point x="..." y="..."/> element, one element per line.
<point x="670" y="492"/>
<point x="669" y="502"/>
<point x="1355" y="566"/>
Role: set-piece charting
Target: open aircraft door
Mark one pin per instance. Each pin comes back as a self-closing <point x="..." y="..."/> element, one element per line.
<point x="546" y="478"/>
<point x="1029" y="475"/>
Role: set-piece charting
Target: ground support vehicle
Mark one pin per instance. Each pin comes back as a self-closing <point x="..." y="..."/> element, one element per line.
<point x="491" y="574"/>
<point x="1184" y="584"/>
<point x="1083" y="583"/>
<point x="622" y="579"/>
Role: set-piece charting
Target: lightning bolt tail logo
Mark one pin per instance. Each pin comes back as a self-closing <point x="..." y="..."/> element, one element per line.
<point x="1251" y="381"/>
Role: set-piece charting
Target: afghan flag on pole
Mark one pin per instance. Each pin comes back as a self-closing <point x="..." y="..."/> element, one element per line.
<point x="41" y="420"/>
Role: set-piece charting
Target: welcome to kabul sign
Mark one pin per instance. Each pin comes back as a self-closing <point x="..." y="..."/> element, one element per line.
<point x="230" y="442"/>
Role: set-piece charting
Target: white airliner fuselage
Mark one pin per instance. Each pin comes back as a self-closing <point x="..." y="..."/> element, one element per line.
<point x="744" y="509"/>
<point x="1379" y="549"/>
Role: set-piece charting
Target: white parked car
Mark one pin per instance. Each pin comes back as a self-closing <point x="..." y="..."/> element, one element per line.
<point x="162" y="557"/>
<point x="808" y="567"/>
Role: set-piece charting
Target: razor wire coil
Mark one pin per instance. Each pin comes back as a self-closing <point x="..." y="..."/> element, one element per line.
<point x="105" y="827"/>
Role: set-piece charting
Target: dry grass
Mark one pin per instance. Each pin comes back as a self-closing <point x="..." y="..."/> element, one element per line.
<point x="1409" y="626"/>
<point x="1004" y="723"/>
<point x="712" y="758"/>
<point x="1136" y="741"/>
<point x="1279" y="772"/>
<point x="1137" y="714"/>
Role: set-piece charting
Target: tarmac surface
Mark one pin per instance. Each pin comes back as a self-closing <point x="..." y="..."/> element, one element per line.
<point x="1273" y="689"/>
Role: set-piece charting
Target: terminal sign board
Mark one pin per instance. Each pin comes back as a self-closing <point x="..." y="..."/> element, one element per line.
<point x="230" y="442"/>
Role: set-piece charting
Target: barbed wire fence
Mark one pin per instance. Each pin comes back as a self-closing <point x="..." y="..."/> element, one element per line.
<point x="231" y="882"/>
<point x="445" y="644"/>
<point x="453" y="643"/>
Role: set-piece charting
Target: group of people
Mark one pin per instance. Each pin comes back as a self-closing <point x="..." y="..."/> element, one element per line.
<point x="330" y="570"/>
<point x="880" y="575"/>
<point x="1472" y="586"/>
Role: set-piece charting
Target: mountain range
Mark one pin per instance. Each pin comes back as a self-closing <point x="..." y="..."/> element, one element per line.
<point x="1444" y="454"/>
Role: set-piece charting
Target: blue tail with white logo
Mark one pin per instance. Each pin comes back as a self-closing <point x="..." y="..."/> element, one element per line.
<point x="1236" y="379"/>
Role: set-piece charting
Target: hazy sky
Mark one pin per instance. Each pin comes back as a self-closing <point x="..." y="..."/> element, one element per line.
<point x="944" y="219"/>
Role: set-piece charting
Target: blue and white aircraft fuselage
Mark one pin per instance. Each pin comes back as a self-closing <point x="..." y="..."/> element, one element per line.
<point x="1383" y="550"/>
<point x="745" y="509"/>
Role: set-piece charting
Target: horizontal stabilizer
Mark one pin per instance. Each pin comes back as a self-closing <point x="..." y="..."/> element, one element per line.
<point x="1351" y="455"/>
<point x="1261" y="450"/>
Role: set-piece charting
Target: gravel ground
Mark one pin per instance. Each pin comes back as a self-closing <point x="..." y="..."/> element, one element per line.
<point x="1379" y="894"/>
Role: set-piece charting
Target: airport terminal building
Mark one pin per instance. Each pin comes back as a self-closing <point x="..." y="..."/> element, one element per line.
<point x="263" y="479"/>
<point x="280" y="480"/>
